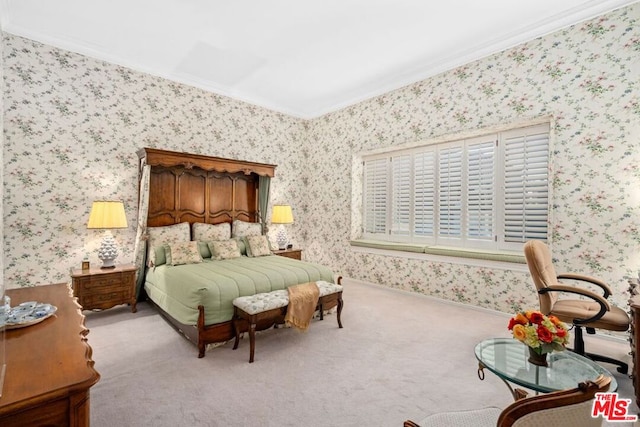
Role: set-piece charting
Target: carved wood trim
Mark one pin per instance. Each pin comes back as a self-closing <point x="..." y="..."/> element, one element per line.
<point x="156" y="157"/>
<point x="192" y="188"/>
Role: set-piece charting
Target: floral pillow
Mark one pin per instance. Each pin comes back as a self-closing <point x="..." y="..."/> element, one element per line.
<point x="207" y="232"/>
<point x="224" y="249"/>
<point x="244" y="229"/>
<point x="257" y="246"/>
<point x="158" y="236"/>
<point x="185" y="253"/>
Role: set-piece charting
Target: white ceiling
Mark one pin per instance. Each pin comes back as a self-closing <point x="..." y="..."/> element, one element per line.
<point x="300" y="57"/>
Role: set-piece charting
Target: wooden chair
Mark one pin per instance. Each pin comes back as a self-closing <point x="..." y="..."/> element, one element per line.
<point x="567" y="408"/>
<point x="594" y="313"/>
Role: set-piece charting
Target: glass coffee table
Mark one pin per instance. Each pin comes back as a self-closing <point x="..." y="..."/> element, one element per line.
<point x="507" y="358"/>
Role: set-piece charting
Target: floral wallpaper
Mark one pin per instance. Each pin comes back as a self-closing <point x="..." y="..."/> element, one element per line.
<point x="584" y="78"/>
<point x="2" y="283"/>
<point x="73" y="125"/>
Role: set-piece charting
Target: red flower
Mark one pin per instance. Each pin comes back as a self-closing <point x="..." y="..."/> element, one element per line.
<point x="536" y="317"/>
<point x="518" y="319"/>
<point x="544" y="334"/>
<point x="561" y="332"/>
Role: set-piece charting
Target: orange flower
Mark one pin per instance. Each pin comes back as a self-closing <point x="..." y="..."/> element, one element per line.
<point x="519" y="332"/>
<point x="555" y="320"/>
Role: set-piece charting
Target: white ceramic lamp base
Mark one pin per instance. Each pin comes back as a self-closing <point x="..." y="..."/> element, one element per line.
<point x="108" y="251"/>
<point x="281" y="237"/>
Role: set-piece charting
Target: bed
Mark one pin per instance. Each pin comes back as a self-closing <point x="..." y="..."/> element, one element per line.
<point x="206" y="245"/>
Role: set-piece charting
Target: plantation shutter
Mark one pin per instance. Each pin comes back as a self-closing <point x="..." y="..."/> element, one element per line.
<point x="526" y="154"/>
<point x="424" y="194"/>
<point x="450" y="191"/>
<point x="481" y="188"/>
<point x="487" y="192"/>
<point x="401" y="195"/>
<point x="375" y="195"/>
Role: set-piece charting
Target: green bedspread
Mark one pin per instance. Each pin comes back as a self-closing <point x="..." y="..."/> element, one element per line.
<point x="179" y="290"/>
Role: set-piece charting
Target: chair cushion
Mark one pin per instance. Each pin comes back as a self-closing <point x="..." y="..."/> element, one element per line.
<point x="614" y="320"/>
<point x="475" y="417"/>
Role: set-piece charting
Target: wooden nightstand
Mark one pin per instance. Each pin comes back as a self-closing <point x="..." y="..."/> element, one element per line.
<point x="289" y="253"/>
<point x="103" y="288"/>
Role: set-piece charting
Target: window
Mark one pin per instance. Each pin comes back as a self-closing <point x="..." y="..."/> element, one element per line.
<point x="487" y="192"/>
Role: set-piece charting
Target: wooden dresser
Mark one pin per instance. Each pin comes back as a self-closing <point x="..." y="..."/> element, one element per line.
<point x="634" y="335"/>
<point x="49" y="366"/>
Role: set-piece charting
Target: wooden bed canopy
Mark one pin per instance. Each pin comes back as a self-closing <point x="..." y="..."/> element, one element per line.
<point x="191" y="188"/>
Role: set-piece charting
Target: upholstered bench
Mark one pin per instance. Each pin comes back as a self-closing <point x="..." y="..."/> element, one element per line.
<point x="261" y="311"/>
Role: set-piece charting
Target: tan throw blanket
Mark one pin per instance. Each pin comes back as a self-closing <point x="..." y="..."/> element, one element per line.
<point x="303" y="300"/>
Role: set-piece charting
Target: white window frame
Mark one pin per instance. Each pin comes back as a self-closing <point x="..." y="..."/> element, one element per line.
<point x="489" y="193"/>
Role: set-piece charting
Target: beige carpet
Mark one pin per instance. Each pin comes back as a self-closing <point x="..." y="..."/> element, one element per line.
<point x="400" y="355"/>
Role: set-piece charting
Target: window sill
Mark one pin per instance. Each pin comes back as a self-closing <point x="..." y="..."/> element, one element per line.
<point x="446" y="251"/>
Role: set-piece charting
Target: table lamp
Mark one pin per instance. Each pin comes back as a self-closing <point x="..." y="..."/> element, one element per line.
<point x="107" y="215"/>
<point x="281" y="215"/>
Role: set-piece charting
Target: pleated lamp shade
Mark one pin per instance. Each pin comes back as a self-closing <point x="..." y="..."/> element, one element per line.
<point x="282" y="215"/>
<point x="107" y="215"/>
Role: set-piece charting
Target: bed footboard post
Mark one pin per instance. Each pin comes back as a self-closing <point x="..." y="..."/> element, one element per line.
<point x="201" y="344"/>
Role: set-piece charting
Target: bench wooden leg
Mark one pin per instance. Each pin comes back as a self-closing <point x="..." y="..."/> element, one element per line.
<point x="337" y="297"/>
<point x="237" y="332"/>
<point x="252" y="341"/>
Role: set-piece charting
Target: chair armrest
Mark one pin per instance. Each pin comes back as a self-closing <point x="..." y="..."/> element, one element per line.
<point x="582" y="277"/>
<point x="604" y="305"/>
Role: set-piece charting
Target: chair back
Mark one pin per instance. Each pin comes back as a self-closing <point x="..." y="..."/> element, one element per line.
<point x="542" y="272"/>
<point x="568" y="408"/>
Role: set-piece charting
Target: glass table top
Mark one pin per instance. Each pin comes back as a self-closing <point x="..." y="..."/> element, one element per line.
<point x="507" y="358"/>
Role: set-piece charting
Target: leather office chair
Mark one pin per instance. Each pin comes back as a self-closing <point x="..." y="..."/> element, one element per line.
<point x="567" y="408"/>
<point x="594" y="313"/>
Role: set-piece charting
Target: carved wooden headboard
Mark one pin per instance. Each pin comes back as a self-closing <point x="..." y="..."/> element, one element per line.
<point x="196" y="188"/>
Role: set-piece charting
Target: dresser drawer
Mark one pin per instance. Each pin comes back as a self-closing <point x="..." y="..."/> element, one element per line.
<point x="54" y="413"/>
<point x="101" y="300"/>
<point x="96" y="282"/>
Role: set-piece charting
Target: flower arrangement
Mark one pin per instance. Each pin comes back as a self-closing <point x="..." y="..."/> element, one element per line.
<point x="543" y="334"/>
